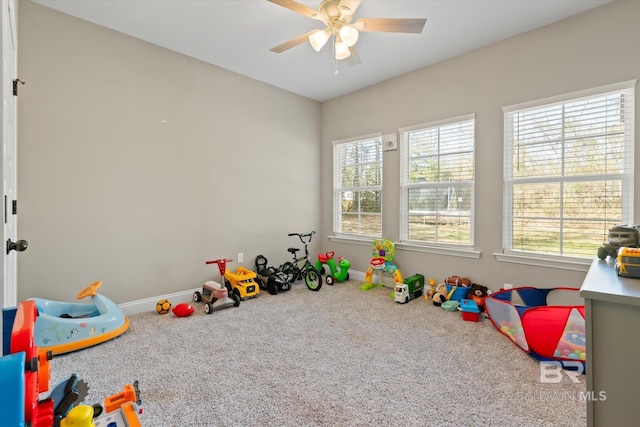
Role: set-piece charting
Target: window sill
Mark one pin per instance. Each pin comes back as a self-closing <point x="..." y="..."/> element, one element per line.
<point x="366" y="241"/>
<point x="577" y="264"/>
<point x="440" y="250"/>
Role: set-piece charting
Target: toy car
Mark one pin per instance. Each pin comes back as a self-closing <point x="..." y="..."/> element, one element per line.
<point x="241" y="283"/>
<point x="623" y="235"/>
<point x="270" y="278"/>
<point x="628" y="262"/>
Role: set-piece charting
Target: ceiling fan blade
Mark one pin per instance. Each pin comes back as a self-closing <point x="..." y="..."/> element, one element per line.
<point x="390" y="25"/>
<point x="300" y="8"/>
<point x="291" y="43"/>
<point x="348" y="7"/>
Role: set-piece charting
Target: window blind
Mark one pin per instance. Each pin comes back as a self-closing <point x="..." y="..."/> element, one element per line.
<point x="568" y="172"/>
<point x="437" y="182"/>
<point x="357" y="166"/>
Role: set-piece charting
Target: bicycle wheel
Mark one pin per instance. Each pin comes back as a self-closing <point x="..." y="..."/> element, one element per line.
<point x="313" y="279"/>
<point x="289" y="271"/>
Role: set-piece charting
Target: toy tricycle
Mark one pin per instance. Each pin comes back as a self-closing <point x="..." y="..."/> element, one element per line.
<point x="334" y="274"/>
<point x="214" y="294"/>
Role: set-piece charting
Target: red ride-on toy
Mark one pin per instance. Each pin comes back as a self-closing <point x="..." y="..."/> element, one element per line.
<point x="215" y="295"/>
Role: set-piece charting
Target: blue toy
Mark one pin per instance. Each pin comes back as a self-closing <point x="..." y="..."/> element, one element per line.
<point x="62" y="327"/>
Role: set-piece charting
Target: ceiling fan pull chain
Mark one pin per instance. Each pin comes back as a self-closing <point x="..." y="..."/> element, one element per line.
<point x="333" y="55"/>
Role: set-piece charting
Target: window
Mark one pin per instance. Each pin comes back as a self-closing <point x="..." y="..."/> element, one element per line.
<point x="357" y="186"/>
<point x="568" y="171"/>
<point x="437" y="182"/>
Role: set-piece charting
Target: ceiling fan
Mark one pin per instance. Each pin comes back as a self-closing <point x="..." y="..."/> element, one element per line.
<point x="337" y="16"/>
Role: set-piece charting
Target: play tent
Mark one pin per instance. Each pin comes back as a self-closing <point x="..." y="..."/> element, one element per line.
<point x="546" y="323"/>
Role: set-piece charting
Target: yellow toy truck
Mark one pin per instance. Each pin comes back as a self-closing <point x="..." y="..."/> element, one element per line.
<point x="241" y="283"/>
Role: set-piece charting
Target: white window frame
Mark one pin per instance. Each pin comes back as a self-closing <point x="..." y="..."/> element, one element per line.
<point x="337" y="188"/>
<point x="576" y="263"/>
<point x="462" y="250"/>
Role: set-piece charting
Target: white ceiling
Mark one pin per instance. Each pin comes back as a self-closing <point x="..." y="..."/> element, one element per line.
<point x="237" y="35"/>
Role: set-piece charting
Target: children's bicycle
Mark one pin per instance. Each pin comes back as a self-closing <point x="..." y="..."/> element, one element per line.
<point x="301" y="267"/>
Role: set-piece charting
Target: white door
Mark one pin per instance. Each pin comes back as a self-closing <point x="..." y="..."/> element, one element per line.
<point x="8" y="288"/>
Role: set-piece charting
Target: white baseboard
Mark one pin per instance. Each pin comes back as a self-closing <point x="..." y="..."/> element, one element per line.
<point x="149" y="304"/>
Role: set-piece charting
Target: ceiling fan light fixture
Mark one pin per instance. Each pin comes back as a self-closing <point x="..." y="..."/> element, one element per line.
<point x="318" y="39"/>
<point x="349" y="35"/>
<point x="342" y="50"/>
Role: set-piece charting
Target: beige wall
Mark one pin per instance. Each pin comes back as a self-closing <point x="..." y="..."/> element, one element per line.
<point x="592" y="49"/>
<point x="109" y="191"/>
<point x="137" y="164"/>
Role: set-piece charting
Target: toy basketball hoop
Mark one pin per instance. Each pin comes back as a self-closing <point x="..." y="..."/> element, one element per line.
<point x="378" y="263"/>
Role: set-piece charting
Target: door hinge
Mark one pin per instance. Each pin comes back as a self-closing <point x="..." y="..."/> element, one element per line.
<point x="15" y="86"/>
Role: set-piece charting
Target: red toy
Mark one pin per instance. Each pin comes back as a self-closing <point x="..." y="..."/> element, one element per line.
<point x="182" y="310"/>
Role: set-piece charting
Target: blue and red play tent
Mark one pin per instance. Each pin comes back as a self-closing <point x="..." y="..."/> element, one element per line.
<point x="546" y="323"/>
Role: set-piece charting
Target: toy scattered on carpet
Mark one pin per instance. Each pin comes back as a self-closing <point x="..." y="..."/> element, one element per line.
<point x="457" y="287"/>
<point x="383" y="251"/>
<point x="300" y="268"/>
<point x="240" y="282"/>
<point x="440" y="294"/>
<point x="25" y="373"/>
<point x="478" y="293"/>
<point x="270" y="278"/>
<point x="163" y="306"/>
<point x="337" y="273"/>
<point x="183" y="310"/>
<point x="62" y="327"/>
<point x="470" y="310"/>
<point x="546" y="323"/>
<point x="216" y="296"/>
<point x="412" y="287"/>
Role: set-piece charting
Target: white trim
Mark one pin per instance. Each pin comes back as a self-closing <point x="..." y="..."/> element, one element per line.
<point x="535" y="260"/>
<point x="149" y="304"/>
<point x="613" y="87"/>
<point x="442" y="122"/>
<point x="352" y="239"/>
<point x="357" y="138"/>
<point x="406" y="246"/>
<point x="440" y="250"/>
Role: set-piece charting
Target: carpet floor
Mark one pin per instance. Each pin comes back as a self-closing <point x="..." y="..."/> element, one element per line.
<point x="337" y="357"/>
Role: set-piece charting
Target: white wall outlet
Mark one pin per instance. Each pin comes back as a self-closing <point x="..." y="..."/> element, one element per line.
<point x="390" y="142"/>
<point x="507" y="286"/>
<point x="240" y="257"/>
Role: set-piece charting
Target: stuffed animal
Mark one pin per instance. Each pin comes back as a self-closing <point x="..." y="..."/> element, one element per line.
<point x="440" y="294"/>
<point x="478" y="294"/>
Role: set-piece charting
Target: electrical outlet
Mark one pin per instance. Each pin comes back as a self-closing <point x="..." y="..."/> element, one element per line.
<point x="508" y="286"/>
<point x="240" y="257"/>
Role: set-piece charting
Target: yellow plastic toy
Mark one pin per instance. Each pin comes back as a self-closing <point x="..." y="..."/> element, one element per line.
<point x="80" y="416"/>
<point x="383" y="251"/>
<point x="242" y="283"/>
